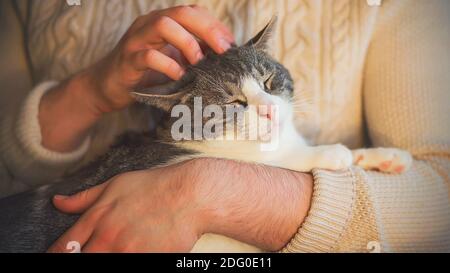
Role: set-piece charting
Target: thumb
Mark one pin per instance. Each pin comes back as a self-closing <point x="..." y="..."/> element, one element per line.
<point x="79" y="202"/>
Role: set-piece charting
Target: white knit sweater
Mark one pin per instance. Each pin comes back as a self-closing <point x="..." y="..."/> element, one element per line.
<point x="381" y="68"/>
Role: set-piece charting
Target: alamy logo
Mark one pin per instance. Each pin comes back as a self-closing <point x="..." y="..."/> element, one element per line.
<point x="374" y="247"/>
<point x="73" y="2"/>
<point x="74" y="247"/>
<point x="251" y="123"/>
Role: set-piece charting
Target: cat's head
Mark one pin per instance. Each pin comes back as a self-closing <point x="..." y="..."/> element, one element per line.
<point x="242" y="77"/>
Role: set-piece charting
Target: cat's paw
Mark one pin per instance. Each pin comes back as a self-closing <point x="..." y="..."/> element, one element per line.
<point x="388" y="160"/>
<point x="334" y="157"/>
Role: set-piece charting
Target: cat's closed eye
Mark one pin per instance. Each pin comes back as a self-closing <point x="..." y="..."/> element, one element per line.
<point x="268" y="82"/>
<point x="239" y="102"/>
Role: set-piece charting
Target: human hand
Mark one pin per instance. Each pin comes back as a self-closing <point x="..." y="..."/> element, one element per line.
<point x="161" y="42"/>
<point x="142" y="211"/>
<point x="168" y="209"/>
<point x="155" y="47"/>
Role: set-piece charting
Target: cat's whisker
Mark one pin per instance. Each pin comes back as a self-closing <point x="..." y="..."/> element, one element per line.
<point x="302" y="99"/>
<point x="301" y="102"/>
<point x="301" y="105"/>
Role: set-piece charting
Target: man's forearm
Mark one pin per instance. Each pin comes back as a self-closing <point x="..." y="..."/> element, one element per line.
<point x="260" y="205"/>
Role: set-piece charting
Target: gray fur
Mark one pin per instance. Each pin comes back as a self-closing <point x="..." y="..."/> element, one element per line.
<point x="30" y="223"/>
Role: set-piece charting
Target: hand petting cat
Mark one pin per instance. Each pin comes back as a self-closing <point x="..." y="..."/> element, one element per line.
<point x="168" y="209"/>
<point x="156" y="46"/>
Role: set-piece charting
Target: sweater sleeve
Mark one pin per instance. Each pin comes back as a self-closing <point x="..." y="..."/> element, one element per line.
<point x="27" y="160"/>
<point x="406" y="100"/>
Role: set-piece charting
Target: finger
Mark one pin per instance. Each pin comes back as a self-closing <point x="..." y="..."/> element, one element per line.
<point x="79" y="233"/>
<point x="199" y="22"/>
<point x="102" y="241"/>
<point x="203" y="16"/>
<point x="174" y="34"/>
<point x="171" y="32"/>
<point x="94" y="246"/>
<point x="175" y="54"/>
<point x="106" y="234"/>
<point x="222" y="26"/>
<point x="153" y="59"/>
<point x="79" y="202"/>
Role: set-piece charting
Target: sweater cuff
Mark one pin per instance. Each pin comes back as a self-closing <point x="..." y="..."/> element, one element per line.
<point x="331" y="209"/>
<point x="28" y="131"/>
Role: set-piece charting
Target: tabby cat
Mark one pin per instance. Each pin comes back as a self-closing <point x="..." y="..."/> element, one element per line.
<point x="243" y="77"/>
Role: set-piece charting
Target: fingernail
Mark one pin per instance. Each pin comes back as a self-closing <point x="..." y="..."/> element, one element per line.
<point x="199" y="56"/>
<point x="224" y="44"/>
<point x="181" y="74"/>
<point x="60" y="197"/>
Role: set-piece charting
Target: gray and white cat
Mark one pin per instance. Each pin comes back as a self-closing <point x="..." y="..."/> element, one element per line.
<point x="243" y="76"/>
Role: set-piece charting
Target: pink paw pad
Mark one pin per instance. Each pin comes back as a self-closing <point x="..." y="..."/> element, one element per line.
<point x="385" y="165"/>
<point x="359" y="159"/>
<point x="399" y="169"/>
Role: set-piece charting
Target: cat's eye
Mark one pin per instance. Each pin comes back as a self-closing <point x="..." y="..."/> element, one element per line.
<point x="239" y="102"/>
<point x="268" y="82"/>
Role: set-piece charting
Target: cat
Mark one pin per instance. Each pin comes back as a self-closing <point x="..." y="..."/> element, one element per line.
<point x="242" y="77"/>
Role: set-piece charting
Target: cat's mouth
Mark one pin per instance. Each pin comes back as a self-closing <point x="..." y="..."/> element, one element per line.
<point x="270" y="122"/>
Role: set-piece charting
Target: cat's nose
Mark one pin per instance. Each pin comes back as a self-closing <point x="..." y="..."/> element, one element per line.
<point x="266" y="111"/>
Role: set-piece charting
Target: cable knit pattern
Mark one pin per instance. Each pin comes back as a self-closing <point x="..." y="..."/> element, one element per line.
<point x="355" y="66"/>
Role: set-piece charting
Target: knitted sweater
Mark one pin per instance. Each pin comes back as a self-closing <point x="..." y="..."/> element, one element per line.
<point x="375" y="75"/>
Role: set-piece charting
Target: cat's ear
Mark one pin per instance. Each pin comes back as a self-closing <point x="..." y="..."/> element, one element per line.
<point x="163" y="97"/>
<point x="264" y="39"/>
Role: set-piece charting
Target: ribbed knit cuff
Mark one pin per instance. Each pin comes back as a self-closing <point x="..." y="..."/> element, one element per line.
<point x="331" y="209"/>
<point x="28" y="130"/>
